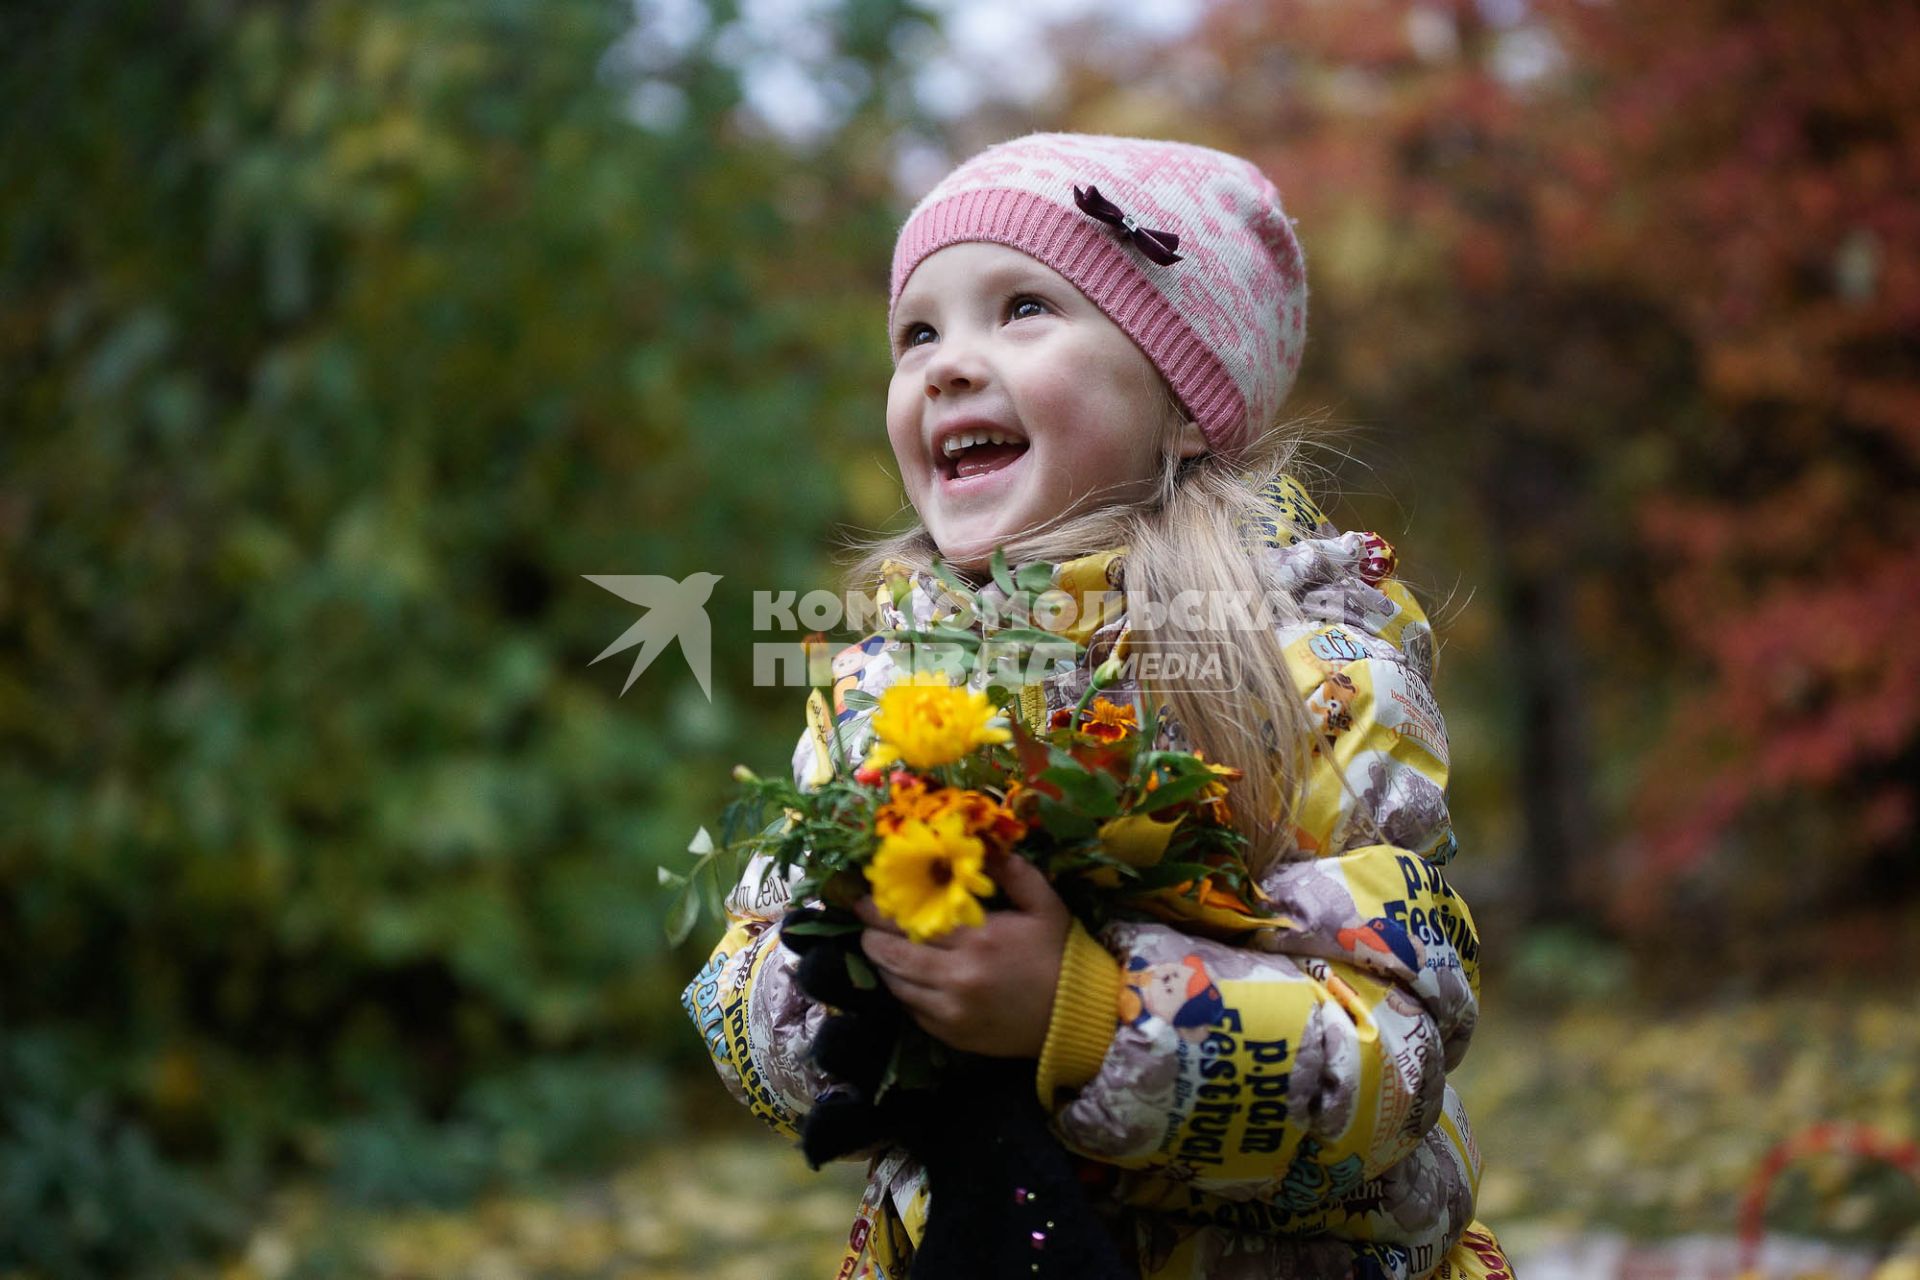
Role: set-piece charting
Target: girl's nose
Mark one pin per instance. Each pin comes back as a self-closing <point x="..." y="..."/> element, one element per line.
<point x="955" y="368"/>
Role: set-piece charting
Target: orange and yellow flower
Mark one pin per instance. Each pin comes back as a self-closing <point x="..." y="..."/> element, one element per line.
<point x="981" y="816"/>
<point x="926" y="721"/>
<point x="908" y="800"/>
<point x="1106" y="720"/>
<point x="1212" y="894"/>
<point x="929" y="877"/>
<point x="1110" y="721"/>
<point x="1212" y="798"/>
<point x="990" y="820"/>
<point x="1022" y="800"/>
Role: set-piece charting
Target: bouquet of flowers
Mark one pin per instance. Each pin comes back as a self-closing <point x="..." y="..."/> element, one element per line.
<point x="953" y="781"/>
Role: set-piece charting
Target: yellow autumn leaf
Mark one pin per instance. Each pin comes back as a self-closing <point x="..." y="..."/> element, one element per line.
<point x="1137" y="839"/>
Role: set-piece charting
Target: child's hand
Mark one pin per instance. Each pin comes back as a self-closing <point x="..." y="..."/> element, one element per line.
<point x="986" y="989"/>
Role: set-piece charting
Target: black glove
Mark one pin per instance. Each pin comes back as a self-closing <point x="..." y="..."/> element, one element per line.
<point x="1005" y="1197"/>
<point x="852" y="1045"/>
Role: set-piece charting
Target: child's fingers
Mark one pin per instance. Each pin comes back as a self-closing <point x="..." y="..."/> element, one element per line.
<point x="931" y="1007"/>
<point x="894" y="954"/>
<point x="918" y="997"/>
<point x="934" y="1009"/>
<point x="1026" y="885"/>
<point x="870" y="916"/>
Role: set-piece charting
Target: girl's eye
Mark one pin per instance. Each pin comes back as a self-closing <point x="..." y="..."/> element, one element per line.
<point x="919" y="334"/>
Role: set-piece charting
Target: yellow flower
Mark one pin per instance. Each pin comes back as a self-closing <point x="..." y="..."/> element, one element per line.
<point x="925" y="721"/>
<point x="927" y="876"/>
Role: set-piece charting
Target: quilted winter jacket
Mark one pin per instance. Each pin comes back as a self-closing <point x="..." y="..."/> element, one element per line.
<point x="1275" y="1107"/>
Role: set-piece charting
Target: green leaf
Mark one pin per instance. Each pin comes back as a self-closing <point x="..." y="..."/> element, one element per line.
<point x="1173" y="872"/>
<point x="860" y="973"/>
<point x="682" y="915"/>
<point x="858" y="699"/>
<point x="1172" y="793"/>
<point x="705" y="882"/>
<point x="1036" y="576"/>
<point x="952" y="581"/>
<point x="998" y="567"/>
<point x="890" y="1075"/>
<point x="953" y="635"/>
<point x="1064" y="821"/>
<point x="1039" y="638"/>
<point x="821" y="928"/>
<point x="1094" y="794"/>
<point x="740" y="816"/>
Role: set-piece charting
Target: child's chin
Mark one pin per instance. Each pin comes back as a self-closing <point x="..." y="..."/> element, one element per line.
<point x="970" y="544"/>
<point x="969" y="556"/>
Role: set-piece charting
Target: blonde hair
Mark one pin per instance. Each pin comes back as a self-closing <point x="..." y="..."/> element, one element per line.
<point x="1187" y="536"/>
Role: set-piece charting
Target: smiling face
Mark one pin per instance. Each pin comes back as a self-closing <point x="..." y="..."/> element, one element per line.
<point x="988" y="342"/>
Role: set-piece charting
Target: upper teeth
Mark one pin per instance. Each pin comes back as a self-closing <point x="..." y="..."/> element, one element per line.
<point x="967" y="439"/>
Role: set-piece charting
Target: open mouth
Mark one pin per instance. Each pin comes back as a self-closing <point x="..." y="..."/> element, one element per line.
<point x="972" y="454"/>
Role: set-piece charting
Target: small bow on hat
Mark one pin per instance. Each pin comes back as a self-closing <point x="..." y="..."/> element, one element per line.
<point x="1157" y="245"/>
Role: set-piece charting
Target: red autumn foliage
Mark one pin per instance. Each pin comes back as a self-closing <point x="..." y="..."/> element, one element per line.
<point x="1639" y="282"/>
<point x="1778" y="148"/>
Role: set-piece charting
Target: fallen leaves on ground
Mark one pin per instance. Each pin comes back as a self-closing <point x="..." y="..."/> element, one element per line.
<point x="734" y="1206"/>
<point x="1613" y="1116"/>
<point x="1654" y="1122"/>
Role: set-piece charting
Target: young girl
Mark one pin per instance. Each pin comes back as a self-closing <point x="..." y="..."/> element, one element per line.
<point x="1092" y="338"/>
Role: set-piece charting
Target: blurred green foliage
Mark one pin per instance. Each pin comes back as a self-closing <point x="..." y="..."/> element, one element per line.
<point x="337" y="341"/>
<point x="340" y="338"/>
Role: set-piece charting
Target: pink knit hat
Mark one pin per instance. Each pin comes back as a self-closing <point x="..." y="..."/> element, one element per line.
<point x="1185" y="248"/>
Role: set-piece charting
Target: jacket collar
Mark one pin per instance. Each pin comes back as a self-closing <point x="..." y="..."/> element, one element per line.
<point x="1095" y="583"/>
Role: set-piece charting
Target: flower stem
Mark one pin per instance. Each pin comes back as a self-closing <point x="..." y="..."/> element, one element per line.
<point x="1103" y="675"/>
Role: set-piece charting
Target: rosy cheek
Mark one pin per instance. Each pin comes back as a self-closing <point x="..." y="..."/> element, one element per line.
<point x="901" y="442"/>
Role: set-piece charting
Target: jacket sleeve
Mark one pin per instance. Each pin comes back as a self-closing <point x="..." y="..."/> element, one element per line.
<point x="1228" y="1067"/>
<point x="1306" y="1069"/>
<point x="755" y="1020"/>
